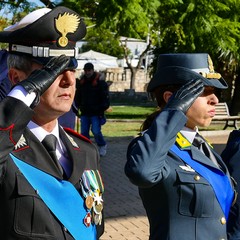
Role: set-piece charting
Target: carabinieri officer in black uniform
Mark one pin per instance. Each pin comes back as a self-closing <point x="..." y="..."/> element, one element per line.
<point x="184" y="185"/>
<point x="50" y="183"/>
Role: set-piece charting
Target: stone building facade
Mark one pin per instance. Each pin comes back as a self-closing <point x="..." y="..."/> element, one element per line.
<point x="119" y="79"/>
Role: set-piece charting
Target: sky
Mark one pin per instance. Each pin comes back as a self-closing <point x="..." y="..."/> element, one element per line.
<point x="4" y="13"/>
<point x="39" y="3"/>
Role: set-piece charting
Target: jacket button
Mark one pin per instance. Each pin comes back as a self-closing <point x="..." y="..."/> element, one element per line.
<point x="197" y="177"/>
<point x="223" y="221"/>
<point x="65" y="229"/>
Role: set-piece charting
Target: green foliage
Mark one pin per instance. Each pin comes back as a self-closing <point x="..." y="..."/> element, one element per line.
<point x="3" y="23"/>
<point x="130" y="112"/>
<point x="173" y="25"/>
<point x="121" y="129"/>
<point x="16" y="10"/>
<point x="102" y="40"/>
<point x="200" y="26"/>
<point x="126" y="18"/>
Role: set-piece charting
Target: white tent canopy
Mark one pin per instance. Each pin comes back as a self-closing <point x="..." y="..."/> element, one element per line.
<point x="99" y="60"/>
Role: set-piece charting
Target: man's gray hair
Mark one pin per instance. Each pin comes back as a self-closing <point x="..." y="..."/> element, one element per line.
<point x="20" y="62"/>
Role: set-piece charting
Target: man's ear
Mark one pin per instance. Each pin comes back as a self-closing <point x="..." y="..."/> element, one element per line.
<point x="167" y="95"/>
<point x="15" y="75"/>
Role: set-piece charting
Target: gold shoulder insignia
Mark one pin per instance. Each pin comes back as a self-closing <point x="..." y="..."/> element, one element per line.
<point x="66" y="23"/>
<point x="182" y="141"/>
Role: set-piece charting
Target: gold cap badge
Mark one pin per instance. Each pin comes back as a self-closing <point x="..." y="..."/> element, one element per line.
<point x="211" y="73"/>
<point x="66" y="23"/>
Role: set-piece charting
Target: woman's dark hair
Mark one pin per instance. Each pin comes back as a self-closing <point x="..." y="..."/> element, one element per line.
<point x="157" y="95"/>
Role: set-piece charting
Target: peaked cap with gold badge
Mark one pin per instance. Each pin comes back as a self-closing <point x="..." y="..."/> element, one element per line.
<point x="180" y="68"/>
<point x="46" y="33"/>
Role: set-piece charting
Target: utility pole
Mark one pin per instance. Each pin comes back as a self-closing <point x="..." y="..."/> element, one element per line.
<point x="147" y="43"/>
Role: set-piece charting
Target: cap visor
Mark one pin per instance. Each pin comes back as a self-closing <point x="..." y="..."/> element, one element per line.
<point x="179" y="75"/>
<point x="43" y="61"/>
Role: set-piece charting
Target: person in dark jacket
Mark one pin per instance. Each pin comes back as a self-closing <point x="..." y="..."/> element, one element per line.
<point x="68" y="120"/>
<point x="231" y="157"/>
<point x="5" y="84"/>
<point x="92" y="98"/>
<point x="50" y="179"/>
<point x="184" y="185"/>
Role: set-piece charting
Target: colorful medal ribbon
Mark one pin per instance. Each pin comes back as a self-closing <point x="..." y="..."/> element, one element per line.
<point x="92" y="188"/>
<point x="95" y="180"/>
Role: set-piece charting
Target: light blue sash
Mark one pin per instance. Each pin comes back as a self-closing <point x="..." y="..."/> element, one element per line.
<point x="217" y="179"/>
<point x="62" y="199"/>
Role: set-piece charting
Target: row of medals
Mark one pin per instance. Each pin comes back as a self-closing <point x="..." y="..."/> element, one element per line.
<point x="95" y="211"/>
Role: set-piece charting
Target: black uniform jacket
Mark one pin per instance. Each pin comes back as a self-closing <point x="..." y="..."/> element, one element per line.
<point x="180" y="204"/>
<point x="23" y="214"/>
<point x="92" y="96"/>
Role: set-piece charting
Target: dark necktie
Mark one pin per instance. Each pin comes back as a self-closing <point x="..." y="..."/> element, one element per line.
<point x="202" y="145"/>
<point x="50" y="143"/>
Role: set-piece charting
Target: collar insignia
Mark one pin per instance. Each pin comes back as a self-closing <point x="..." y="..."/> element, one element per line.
<point x="66" y="23"/>
<point x="187" y="168"/>
<point x="21" y="143"/>
<point x="72" y="141"/>
<point x="182" y="142"/>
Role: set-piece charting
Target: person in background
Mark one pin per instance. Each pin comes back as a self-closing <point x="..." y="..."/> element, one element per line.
<point x="5" y="84"/>
<point x="68" y="120"/>
<point x="92" y="98"/>
<point x="231" y="157"/>
<point x="184" y="185"/>
<point x="51" y="186"/>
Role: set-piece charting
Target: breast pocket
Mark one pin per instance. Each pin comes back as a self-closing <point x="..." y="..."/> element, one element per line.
<point x="196" y="195"/>
<point x="32" y="217"/>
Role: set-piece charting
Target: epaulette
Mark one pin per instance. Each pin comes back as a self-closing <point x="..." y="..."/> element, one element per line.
<point x="182" y="142"/>
<point x="76" y="134"/>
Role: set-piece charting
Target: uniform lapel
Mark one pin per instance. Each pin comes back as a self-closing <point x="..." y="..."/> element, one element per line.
<point x="36" y="155"/>
<point x="76" y="156"/>
<point x="200" y="157"/>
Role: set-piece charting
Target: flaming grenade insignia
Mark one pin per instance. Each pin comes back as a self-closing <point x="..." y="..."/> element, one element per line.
<point x="66" y="23"/>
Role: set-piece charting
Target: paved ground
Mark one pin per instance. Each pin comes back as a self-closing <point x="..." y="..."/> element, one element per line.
<point x="125" y="217"/>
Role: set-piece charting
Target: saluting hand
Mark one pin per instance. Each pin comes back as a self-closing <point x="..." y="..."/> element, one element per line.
<point x="185" y="96"/>
<point x="40" y="80"/>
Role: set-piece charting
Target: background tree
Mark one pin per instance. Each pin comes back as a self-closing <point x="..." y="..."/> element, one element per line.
<point x="131" y="19"/>
<point x="104" y="41"/>
<point x="111" y="20"/>
<point x="172" y="25"/>
<point x="202" y="26"/>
